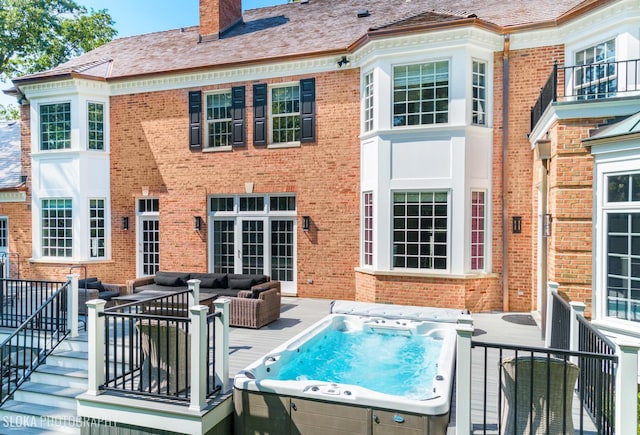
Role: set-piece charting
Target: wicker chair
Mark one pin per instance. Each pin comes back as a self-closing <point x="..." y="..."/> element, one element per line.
<point x="528" y="407"/>
<point x="85" y="295"/>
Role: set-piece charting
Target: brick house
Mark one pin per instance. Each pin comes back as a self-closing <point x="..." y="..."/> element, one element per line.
<point x="379" y="152"/>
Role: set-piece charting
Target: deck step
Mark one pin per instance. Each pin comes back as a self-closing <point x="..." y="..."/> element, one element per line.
<point x="69" y="358"/>
<point x="43" y="394"/>
<point x="32" y="418"/>
<point x="61" y="376"/>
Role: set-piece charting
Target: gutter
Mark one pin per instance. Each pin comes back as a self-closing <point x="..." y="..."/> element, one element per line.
<point x="505" y="143"/>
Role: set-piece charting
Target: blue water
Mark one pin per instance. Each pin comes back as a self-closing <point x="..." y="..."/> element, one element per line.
<point x="390" y="364"/>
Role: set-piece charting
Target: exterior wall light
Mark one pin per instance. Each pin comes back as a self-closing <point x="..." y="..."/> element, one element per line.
<point x="125" y="222"/>
<point x="197" y="223"/>
<point x="306" y="222"/>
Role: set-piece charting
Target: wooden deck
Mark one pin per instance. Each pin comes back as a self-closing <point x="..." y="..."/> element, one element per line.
<point x="248" y="345"/>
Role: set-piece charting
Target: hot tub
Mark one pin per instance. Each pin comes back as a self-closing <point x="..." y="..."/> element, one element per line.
<point x="324" y="381"/>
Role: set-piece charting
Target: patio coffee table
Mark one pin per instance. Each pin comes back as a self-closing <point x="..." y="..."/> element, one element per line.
<point x="205" y="298"/>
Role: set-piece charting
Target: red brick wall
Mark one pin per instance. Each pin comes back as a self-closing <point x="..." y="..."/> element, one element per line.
<point x="475" y="294"/>
<point x="528" y="71"/>
<point x="149" y="147"/>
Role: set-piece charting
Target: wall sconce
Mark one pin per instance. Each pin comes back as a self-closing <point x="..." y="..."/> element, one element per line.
<point x="342" y="62"/>
<point x="23" y="179"/>
<point x="125" y="222"/>
<point x="306" y="222"/>
<point x="543" y="149"/>
<point x="516" y="224"/>
<point x="197" y="223"/>
<point x="548" y="219"/>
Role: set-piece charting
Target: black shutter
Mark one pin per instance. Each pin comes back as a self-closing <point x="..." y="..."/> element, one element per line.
<point x="237" y="116"/>
<point x="308" y="110"/>
<point x="195" y="120"/>
<point x="260" y="114"/>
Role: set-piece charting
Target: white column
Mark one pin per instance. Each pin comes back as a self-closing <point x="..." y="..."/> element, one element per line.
<point x="577" y="310"/>
<point x="199" y="350"/>
<point x="552" y="288"/>
<point x="222" y="343"/>
<point x="626" y="406"/>
<point x="463" y="375"/>
<point x="72" y="304"/>
<point x="194" y="292"/>
<point x="95" y="327"/>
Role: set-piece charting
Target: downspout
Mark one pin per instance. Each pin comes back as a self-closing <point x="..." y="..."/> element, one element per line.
<point x="543" y="248"/>
<point x="505" y="141"/>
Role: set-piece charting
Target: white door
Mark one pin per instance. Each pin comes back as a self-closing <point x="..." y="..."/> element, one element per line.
<point x="4" y="247"/>
<point x="148" y="245"/>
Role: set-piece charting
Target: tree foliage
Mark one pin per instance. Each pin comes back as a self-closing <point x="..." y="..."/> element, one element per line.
<point x="9" y="112"/>
<point x="36" y="35"/>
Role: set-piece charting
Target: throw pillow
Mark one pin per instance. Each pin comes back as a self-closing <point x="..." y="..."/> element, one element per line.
<point x="172" y="279"/>
<point x="255" y="291"/>
<point x="241" y="283"/>
<point x="82" y="282"/>
<point x="95" y="285"/>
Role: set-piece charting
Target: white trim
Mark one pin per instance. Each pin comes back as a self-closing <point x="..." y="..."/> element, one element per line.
<point x="270" y="88"/>
<point x="206" y="146"/>
<point x="13" y="196"/>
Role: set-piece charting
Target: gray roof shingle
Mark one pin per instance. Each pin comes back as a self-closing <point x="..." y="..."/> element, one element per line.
<point x="294" y="30"/>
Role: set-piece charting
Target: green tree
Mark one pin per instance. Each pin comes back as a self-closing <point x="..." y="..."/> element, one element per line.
<point x="36" y="35"/>
<point x="9" y="112"/>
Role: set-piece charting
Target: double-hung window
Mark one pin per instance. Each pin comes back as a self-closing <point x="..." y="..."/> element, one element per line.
<point x="478" y="230"/>
<point x="96" y="228"/>
<point x="285" y="114"/>
<point x="95" y="126"/>
<point x="55" y="126"/>
<point x="479" y="93"/>
<point x="367" y="228"/>
<point x="57" y="228"/>
<point x="218" y="120"/>
<point x="421" y="94"/>
<point x="623" y="247"/>
<point x="595" y="74"/>
<point x="367" y="100"/>
<point x="420" y="230"/>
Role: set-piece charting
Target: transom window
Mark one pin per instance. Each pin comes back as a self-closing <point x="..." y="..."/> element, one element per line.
<point x="219" y="119"/>
<point x="96" y="228"/>
<point x="95" y="127"/>
<point x="285" y="114"/>
<point x="623" y="188"/>
<point x="420" y="230"/>
<point x="598" y="78"/>
<point x="57" y="228"/>
<point x="367" y="98"/>
<point x="55" y="126"/>
<point x="479" y="89"/>
<point x="148" y="205"/>
<point x="421" y="94"/>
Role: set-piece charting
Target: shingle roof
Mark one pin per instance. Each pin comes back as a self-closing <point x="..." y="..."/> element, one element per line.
<point x="294" y="30"/>
<point x="10" y="167"/>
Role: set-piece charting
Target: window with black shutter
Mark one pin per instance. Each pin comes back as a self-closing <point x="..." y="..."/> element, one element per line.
<point x="195" y="120"/>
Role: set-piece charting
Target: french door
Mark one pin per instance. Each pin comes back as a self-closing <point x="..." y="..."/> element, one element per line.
<point x="148" y="245"/>
<point x="255" y="245"/>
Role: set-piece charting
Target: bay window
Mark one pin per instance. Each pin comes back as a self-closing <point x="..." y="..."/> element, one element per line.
<point x="421" y="94"/>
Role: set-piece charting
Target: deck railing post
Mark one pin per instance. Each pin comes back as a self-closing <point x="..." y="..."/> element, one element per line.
<point x="199" y="350"/>
<point x="222" y="344"/>
<point x="95" y="331"/>
<point x="72" y="304"/>
<point x="552" y="289"/>
<point x="194" y="292"/>
<point x="463" y="374"/>
<point x="626" y="397"/>
<point x="577" y="310"/>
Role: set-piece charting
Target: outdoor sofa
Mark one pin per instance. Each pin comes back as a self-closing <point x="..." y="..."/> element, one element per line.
<point x="255" y="299"/>
<point x="93" y="288"/>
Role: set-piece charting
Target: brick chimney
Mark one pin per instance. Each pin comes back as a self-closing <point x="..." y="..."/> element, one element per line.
<point x="216" y="16"/>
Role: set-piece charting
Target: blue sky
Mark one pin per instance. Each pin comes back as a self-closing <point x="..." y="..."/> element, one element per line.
<point x="134" y="17"/>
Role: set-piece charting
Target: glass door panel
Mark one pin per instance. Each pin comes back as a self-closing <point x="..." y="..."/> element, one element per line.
<point x="253" y="247"/>
<point x="282" y="261"/>
<point x="4" y="243"/>
<point x="223" y="246"/>
<point x="149" y="246"/>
